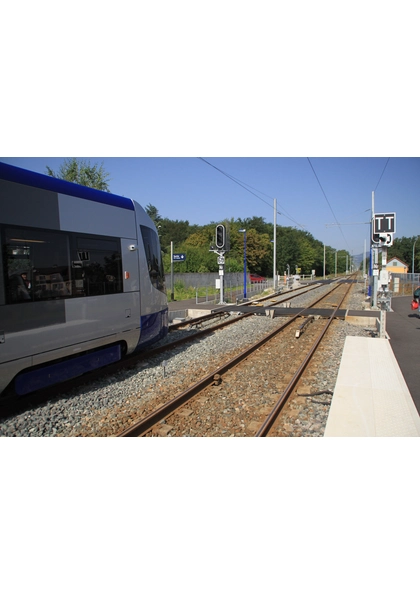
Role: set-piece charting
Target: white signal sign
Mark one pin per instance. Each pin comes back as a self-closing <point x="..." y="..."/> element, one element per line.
<point x="384" y="223"/>
<point x="383" y="229"/>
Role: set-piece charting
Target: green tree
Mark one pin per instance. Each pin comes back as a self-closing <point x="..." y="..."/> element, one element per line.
<point x="83" y="173"/>
<point x="307" y="254"/>
<point x="153" y="213"/>
<point x="203" y="237"/>
<point x="294" y="247"/>
<point x="287" y="249"/>
<point x="176" y="231"/>
<point x="402" y="248"/>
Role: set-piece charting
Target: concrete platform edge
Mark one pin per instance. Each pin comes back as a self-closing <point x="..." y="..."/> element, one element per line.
<point x="371" y="397"/>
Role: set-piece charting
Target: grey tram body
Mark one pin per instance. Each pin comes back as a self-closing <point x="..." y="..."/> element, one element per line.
<point x="94" y="282"/>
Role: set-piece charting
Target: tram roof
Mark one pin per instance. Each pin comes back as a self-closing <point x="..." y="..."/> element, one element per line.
<point x="53" y="184"/>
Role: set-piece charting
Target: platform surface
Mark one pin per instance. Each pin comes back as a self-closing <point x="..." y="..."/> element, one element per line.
<point x="371" y="397"/>
<point x="403" y="328"/>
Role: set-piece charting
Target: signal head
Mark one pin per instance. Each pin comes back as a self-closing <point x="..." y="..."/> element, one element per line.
<point x="220" y="237"/>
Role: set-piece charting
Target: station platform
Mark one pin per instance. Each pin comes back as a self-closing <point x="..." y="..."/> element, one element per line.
<point x="377" y="393"/>
<point x="371" y="397"/>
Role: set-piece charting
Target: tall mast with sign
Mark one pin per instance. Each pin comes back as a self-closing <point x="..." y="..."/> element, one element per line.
<point x="383" y="230"/>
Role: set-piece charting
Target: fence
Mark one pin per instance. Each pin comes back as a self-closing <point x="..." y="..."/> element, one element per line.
<point x="205" y="279"/>
<point x="231" y="292"/>
<point x="404" y="284"/>
<point x="232" y="286"/>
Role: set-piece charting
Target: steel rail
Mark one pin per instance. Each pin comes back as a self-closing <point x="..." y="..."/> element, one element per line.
<point x="272" y="417"/>
<point x="198" y="320"/>
<point x="144" y="425"/>
<point x="258" y="301"/>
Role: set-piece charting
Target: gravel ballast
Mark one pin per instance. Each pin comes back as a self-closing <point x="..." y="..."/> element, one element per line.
<point x="106" y="407"/>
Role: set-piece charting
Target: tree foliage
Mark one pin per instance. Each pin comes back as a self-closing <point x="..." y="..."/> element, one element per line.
<point x="83" y="173"/>
<point x="403" y="249"/>
<point x="153" y="213"/>
<point x="295" y="248"/>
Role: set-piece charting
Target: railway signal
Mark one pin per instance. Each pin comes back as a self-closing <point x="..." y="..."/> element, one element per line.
<point x="383" y="229"/>
<point x="220" y="249"/>
<point x="382" y="239"/>
<point x="220" y="237"/>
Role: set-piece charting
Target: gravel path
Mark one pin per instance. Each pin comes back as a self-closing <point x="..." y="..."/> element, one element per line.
<point x="109" y="406"/>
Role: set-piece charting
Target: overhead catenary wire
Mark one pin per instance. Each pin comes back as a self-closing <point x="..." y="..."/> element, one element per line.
<point x="325" y="196"/>
<point x="387" y="161"/>
<point x="243" y="185"/>
<point x="283" y="213"/>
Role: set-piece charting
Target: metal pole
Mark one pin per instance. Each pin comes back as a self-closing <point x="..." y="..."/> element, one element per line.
<point x="324" y="261"/>
<point x="364" y="259"/>
<point x="375" y="276"/>
<point x="375" y="258"/>
<point x="172" y="271"/>
<point x="244" y="232"/>
<point x="245" y="264"/>
<point x="371" y="281"/>
<point x="275" y="249"/>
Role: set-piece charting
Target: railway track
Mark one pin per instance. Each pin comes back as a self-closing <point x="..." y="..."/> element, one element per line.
<point x="271" y="300"/>
<point x="196" y="329"/>
<point x="111" y="403"/>
<point x="269" y="361"/>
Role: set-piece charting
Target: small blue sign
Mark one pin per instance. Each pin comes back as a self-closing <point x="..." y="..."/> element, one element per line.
<point x="179" y="257"/>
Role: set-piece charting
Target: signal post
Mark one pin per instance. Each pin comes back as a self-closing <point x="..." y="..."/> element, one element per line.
<point x="383" y="229"/>
<point x="220" y="249"/>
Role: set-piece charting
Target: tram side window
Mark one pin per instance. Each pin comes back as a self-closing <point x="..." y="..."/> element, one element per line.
<point x="41" y="264"/>
<point x="35" y="265"/>
<point x="96" y="265"/>
<point x="153" y="257"/>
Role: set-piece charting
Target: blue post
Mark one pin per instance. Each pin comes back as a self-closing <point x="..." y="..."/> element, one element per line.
<point x="245" y="265"/>
<point x="244" y="232"/>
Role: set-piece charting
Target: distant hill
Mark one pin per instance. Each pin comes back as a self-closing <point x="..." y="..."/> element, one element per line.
<point x="358" y="259"/>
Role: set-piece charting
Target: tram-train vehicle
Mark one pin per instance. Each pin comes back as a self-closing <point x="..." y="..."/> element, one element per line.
<point x="81" y="280"/>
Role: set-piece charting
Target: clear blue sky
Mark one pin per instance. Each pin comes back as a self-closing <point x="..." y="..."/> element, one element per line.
<point x="190" y="189"/>
<point x="261" y="85"/>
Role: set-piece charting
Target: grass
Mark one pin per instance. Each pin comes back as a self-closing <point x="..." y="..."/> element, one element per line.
<point x="182" y="293"/>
